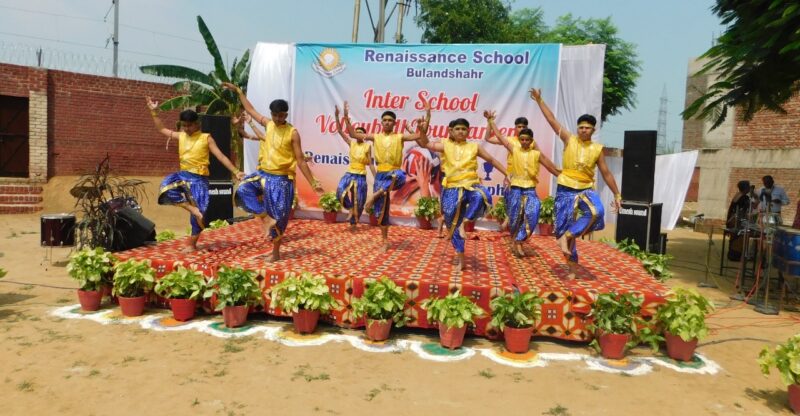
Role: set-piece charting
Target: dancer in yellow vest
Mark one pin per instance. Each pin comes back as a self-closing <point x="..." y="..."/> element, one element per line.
<point x="352" y="189"/>
<point x="522" y="203"/>
<point x="463" y="197"/>
<point x="576" y="182"/>
<point x="269" y="192"/>
<point x="188" y="188"/>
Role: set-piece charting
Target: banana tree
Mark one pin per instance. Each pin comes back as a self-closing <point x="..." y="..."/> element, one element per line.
<point x="197" y="89"/>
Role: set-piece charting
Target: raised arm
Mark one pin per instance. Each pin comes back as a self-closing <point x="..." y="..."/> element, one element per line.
<point x="350" y="129"/>
<point x="212" y="147"/>
<point x="153" y="106"/>
<point x="483" y="154"/>
<point x="339" y="125"/>
<point x="248" y="106"/>
<point x="240" y="122"/>
<point x="423" y="122"/>
<point x="548" y="164"/>
<point x="563" y="134"/>
<point x="610" y="181"/>
<point x="303" y="165"/>
<point x="497" y="133"/>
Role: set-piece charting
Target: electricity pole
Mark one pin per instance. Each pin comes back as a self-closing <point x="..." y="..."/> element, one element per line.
<point x="116" y="36"/>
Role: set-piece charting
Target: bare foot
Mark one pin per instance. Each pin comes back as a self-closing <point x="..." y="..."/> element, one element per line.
<point x="276" y="255"/>
<point x="269" y="223"/>
<point x="518" y="250"/>
<point x="189" y="249"/>
<point x="353" y="227"/>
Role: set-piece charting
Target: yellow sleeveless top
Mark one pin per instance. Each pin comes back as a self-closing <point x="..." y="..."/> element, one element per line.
<point x="193" y="152"/>
<point x="524" y="166"/>
<point x="460" y="164"/>
<point x="359" y="157"/>
<point x="388" y="151"/>
<point x="276" y="153"/>
<point x="580" y="159"/>
<point x="511" y="140"/>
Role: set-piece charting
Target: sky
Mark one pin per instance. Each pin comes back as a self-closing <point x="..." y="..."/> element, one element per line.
<point x="667" y="34"/>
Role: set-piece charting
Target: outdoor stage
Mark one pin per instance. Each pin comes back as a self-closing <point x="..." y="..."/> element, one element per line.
<point x="423" y="265"/>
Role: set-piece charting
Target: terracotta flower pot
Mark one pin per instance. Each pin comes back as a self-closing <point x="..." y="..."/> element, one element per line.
<point x="373" y="220"/>
<point x="546" y="229"/>
<point x="90" y="299"/>
<point x="794" y="398"/>
<point x="424" y="223"/>
<point x="131" y="306"/>
<point x="469" y="226"/>
<point x="517" y="339"/>
<point x="330" y="217"/>
<point x="451" y="337"/>
<point x="183" y="309"/>
<point x="305" y="321"/>
<point x="235" y="316"/>
<point x="678" y="349"/>
<point x="378" y="329"/>
<point x="613" y="345"/>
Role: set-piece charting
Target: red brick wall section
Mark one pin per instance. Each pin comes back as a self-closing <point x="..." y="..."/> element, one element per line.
<point x="788" y="179"/>
<point x="694" y="186"/>
<point x="770" y="130"/>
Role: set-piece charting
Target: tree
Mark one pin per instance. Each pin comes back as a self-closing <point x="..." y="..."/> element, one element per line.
<point x="756" y="60"/>
<point x="463" y="21"/>
<point x="205" y="90"/>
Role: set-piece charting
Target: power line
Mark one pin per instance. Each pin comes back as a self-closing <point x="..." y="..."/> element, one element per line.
<point x="53" y="14"/>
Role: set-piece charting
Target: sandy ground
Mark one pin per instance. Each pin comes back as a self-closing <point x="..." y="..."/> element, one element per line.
<point x="50" y="365"/>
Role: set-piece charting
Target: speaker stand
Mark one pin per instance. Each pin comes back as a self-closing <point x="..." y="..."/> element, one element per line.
<point x="705" y="282"/>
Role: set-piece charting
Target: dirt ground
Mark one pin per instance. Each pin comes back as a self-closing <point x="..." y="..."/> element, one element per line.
<point x="56" y="366"/>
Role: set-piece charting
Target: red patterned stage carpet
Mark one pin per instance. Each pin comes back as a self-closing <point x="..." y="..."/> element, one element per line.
<point x="422" y="264"/>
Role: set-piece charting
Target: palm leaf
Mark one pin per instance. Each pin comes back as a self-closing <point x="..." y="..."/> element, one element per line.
<point x="219" y="66"/>
<point x="176" y="71"/>
<point x="243" y="67"/>
<point x="176" y="103"/>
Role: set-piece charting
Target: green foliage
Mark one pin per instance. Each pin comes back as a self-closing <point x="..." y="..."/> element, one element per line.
<point x="616" y="313"/>
<point x="234" y="286"/>
<point x="517" y="310"/>
<point x="756" y="61"/>
<point x="427" y="207"/>
<point x="181" y="283"/>
<point x="547" y="212"/>
<point x="3" y="272"/>
<point x="165" y="235"/>
<point x="785" y="357"/>
<point x="382" y="299"/>
<point x="370" y="210"/>
<point x="499" y="209"/>
<point x="89" y="265"/>
<point x="329" y="203"/>
<point x="684" y="314"/>
<point x="213" y="225"/>
<point x="454" y="310"/>
<point x="462" y="21"/>
<point x="656" y="264"/>
<point x="133" y="278"/>
<point x="307" y="292"/>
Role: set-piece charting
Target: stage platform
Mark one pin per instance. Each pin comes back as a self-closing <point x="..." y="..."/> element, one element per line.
<point x="422" y="264"/>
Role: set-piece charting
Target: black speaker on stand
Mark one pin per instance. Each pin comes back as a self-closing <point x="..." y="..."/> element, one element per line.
<point x="639" y="165"/>
<point x="220" y="129"/>
<point x="131" y="229"/>
<point x="640" y="222"/>
<point x="220" y="201"/>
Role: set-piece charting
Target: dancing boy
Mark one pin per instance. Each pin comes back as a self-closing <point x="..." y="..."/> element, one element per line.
<point x="352" y="189"/>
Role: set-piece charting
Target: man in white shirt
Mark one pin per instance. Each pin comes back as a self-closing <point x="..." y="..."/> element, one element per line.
<point x="772" y="198"/>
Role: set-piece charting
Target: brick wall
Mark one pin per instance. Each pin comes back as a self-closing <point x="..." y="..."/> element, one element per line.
<point x="788" y="179"/>
<point x="770" y="130"/>
<point x="693" y="128"/>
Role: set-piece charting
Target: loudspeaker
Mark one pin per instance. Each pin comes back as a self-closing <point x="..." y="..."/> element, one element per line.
<point x="131" y="229"/>
<point x="640" y="222"/>
<point x="220" y="129"/>
<point x="220" y="201"/>
<point x="639" y="165"/>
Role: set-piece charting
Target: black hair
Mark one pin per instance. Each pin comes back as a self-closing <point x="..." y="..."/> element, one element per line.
<point x="521" y="120"/>
<point x="279" y="106"/>
<point x="452" y="124"/>
<point x="744" y="186"/>
<point x="189" y="116"/>
<point x="587" y="118"/>
<point x="460" y="122"/>
<point x="526" y="132"/>
<point x="361" y="130"/>
<point x="768" y="178"/>
<point x="390" y="114"/>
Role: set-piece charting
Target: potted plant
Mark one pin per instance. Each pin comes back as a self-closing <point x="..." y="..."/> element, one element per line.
<point x="453" y="313"/>
<point x="614" y="322"/>
<point x="182" y="287"/>
<point x="305" y="297"/>
<point x="515" y="314"/>
<point x="330" y="206"/>
<point x="89" y="266"/>
<point x="547" y="215"/>
<point x="786" y="358"/>
<point x="684" y="319"/>
<point x="236" y="291"/>
<point x="133" y="279"/>
<point x="217" y="224"/>
<point x="373" y="220"/>
<point x="381" y="304"/>
<point x="498" y="211"/>
<point x="427" y="209"/>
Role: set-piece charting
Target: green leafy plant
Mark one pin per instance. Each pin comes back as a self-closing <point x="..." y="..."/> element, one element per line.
<point x="785" y="357"/>
<point x="517" y="310"/>
<point x="234" y="286"/>
<point x="454" y="310"/>
<point x="654" y="263"/>
<point x="382" y="299"/>
<point x="3" y="272"/>
<point x="547" y="211"/>
<point x="133" y="278"/>
<point x="370" y="210"/>
<point x="218" y="224"/>
<point x="329" y="202"/>
<point x="427" y="207"/>
<point x="684" y="314"/>
<point x="499" y="209"/>
<point x="618" y="313"/>
<point x="89" y="266"/>
<point x="181" y="283"/>
<point x="306" y="291"/>
<point x="165" y="235"/>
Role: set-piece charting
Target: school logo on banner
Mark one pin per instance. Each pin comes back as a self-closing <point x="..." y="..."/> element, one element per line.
<point x="328" y="63"/>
